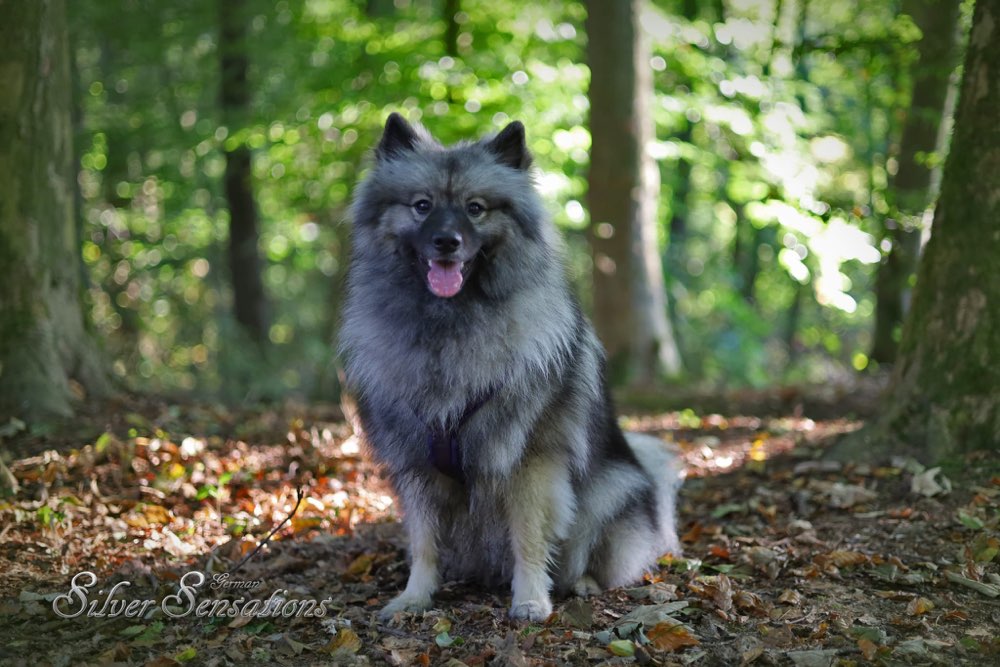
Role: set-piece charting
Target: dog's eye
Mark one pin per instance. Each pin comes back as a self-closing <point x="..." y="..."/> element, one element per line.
<point x="422" y="206"/>
<point x="475" y="209"/>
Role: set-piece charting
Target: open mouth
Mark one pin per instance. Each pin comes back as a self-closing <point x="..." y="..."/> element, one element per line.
<point x="446" y="277"/>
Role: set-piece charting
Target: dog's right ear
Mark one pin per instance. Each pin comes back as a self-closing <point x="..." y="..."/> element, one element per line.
<point x="397" y="138"/>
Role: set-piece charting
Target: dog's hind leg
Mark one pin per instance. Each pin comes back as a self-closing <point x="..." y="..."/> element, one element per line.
<point x="539" y="510"/>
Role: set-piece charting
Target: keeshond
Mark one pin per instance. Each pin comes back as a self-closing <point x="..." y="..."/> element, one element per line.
<point x="479" y="383"/>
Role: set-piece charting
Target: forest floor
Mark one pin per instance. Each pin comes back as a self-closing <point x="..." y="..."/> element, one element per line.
<point x="789" y="558"/>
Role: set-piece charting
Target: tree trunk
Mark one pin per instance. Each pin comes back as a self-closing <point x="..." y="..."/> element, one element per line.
<point x="630" y="311"/>
<point x="249" y="303"/>
<point x="451" y="9"/>
<point x="945" y="392"/>
<point x="911" y="191"/>
<point x="44" y="344"/>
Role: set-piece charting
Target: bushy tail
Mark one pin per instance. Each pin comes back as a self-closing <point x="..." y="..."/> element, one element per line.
<point x="664" y="467"/>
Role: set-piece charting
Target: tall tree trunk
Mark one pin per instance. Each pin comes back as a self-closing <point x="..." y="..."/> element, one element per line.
<point x="249" y="303"/>
<point x="910" y="190"/>
<point x="451" y="9"/>
<point x="945" y="392"/>
<point x="44" y="345"/>
<point x="630" y="311"/>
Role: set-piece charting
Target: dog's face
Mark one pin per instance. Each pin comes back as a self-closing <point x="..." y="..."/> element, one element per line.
<point x="446" y="211"/>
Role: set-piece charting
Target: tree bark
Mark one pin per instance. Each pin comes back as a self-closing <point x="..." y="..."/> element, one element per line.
<point x="630" y="303"/>
<point x="910" y="190"/>
<point x="44" y="344"/>
<point x="945" y="392"/>
<point x="249" y="301"/>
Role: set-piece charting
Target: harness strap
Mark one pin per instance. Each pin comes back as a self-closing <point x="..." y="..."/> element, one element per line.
<point x="443" y="447"/>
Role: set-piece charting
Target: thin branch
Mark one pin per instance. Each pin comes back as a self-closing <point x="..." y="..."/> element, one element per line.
<point x="298" y="501"/>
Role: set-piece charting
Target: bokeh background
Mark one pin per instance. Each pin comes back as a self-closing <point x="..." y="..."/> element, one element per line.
<point x="778" y="128"/>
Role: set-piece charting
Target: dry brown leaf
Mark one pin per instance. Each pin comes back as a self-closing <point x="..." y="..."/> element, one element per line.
<point x="748" y="601"/>
<point x="668" y="636"/>
<point x="693" y="534"/>
<point x="361" y="565"/>
<point x="919" y="606"/>
<point x="156" y="514"/>
<point x="955" y="615"/>
<point x="842" y="558"/>
<point x="788" y="596"/>
<point x="868" y="648"/>
<point x="345" y="640"/>
<point x="302" y="524"/>
<point x="719" y="551"/>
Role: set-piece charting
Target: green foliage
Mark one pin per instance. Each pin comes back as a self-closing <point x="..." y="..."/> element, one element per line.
<point x="773" y="141"/>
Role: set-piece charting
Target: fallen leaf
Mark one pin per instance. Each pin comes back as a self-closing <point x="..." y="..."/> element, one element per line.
<point x="719" y="551"/>
<point x="578" y="613"/>
<point x="842" y="558"/>
<point x="302" y="524"/>
<point x="622" y="647"/>
<point x="188" y="654"/>
<point x="670" y="636"/>
<point x="910" y="649"/>
<point x="985" y="548"/>
<point x="360" y="566"/>
<point x="692" y="535"/>
<point x="989" y="590"/>
<point x="788" y="596"/>
<point x="919" y="606"/>
<point x="156" y="513"/>
<point x="346" y="640"/>
<point x="748" y="601"/>
<point x="297" y="647"/>
<point x="925" y="485"/>
<point x="845" y="496"/>
<point x="955" y="615"/>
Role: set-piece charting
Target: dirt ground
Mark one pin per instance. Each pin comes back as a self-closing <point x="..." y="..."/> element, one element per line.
<point x="789" y="558"/>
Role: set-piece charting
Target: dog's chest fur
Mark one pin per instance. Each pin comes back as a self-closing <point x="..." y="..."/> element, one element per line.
<point x="438" y="366"/>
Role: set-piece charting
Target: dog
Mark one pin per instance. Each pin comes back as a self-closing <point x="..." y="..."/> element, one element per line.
<point x="479" y="383"/>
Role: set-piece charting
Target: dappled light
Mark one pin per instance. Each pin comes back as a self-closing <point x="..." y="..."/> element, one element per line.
<point x="778" y="174"/>
<point x="723" y="393"/>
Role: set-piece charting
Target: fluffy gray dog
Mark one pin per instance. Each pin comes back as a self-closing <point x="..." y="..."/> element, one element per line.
<point x="480" y="383"/>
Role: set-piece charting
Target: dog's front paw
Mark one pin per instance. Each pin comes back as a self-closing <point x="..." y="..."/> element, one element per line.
<point x="531" y="610"/>
<point x="405" y="602"/>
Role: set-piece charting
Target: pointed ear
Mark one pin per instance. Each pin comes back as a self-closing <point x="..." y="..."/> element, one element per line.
<point x="509" y="147"/>
<point x="397" y="138"/>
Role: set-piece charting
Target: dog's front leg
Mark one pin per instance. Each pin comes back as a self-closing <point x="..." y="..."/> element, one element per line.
<point x="424" y="576"/>
<point x="539" y="513"/>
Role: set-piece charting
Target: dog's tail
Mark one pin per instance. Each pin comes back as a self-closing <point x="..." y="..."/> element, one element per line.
<point x="664" y="467"/>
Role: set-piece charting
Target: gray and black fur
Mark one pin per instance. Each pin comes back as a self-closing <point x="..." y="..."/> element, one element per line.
<point x="545" y="492"/>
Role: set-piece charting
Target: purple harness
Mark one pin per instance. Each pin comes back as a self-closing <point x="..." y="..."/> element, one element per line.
<point x="443" y="449"/>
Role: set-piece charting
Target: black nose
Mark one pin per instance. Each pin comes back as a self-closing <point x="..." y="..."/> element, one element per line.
<point x="446" y="241"/>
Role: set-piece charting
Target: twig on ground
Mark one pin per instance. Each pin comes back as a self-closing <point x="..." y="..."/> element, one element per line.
<point x="298" y="501"/>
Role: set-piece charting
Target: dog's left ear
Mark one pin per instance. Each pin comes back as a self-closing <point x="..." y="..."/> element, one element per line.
<point x="509" y="147"/>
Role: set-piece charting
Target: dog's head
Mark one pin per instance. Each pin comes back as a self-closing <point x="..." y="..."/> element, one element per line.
<point x="446" y="212"/>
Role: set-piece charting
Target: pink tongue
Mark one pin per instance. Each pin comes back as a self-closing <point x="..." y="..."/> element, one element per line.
<point x="445" y="278"/>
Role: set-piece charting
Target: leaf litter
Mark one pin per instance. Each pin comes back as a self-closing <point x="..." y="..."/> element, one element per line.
<point x="789" y="559"/>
